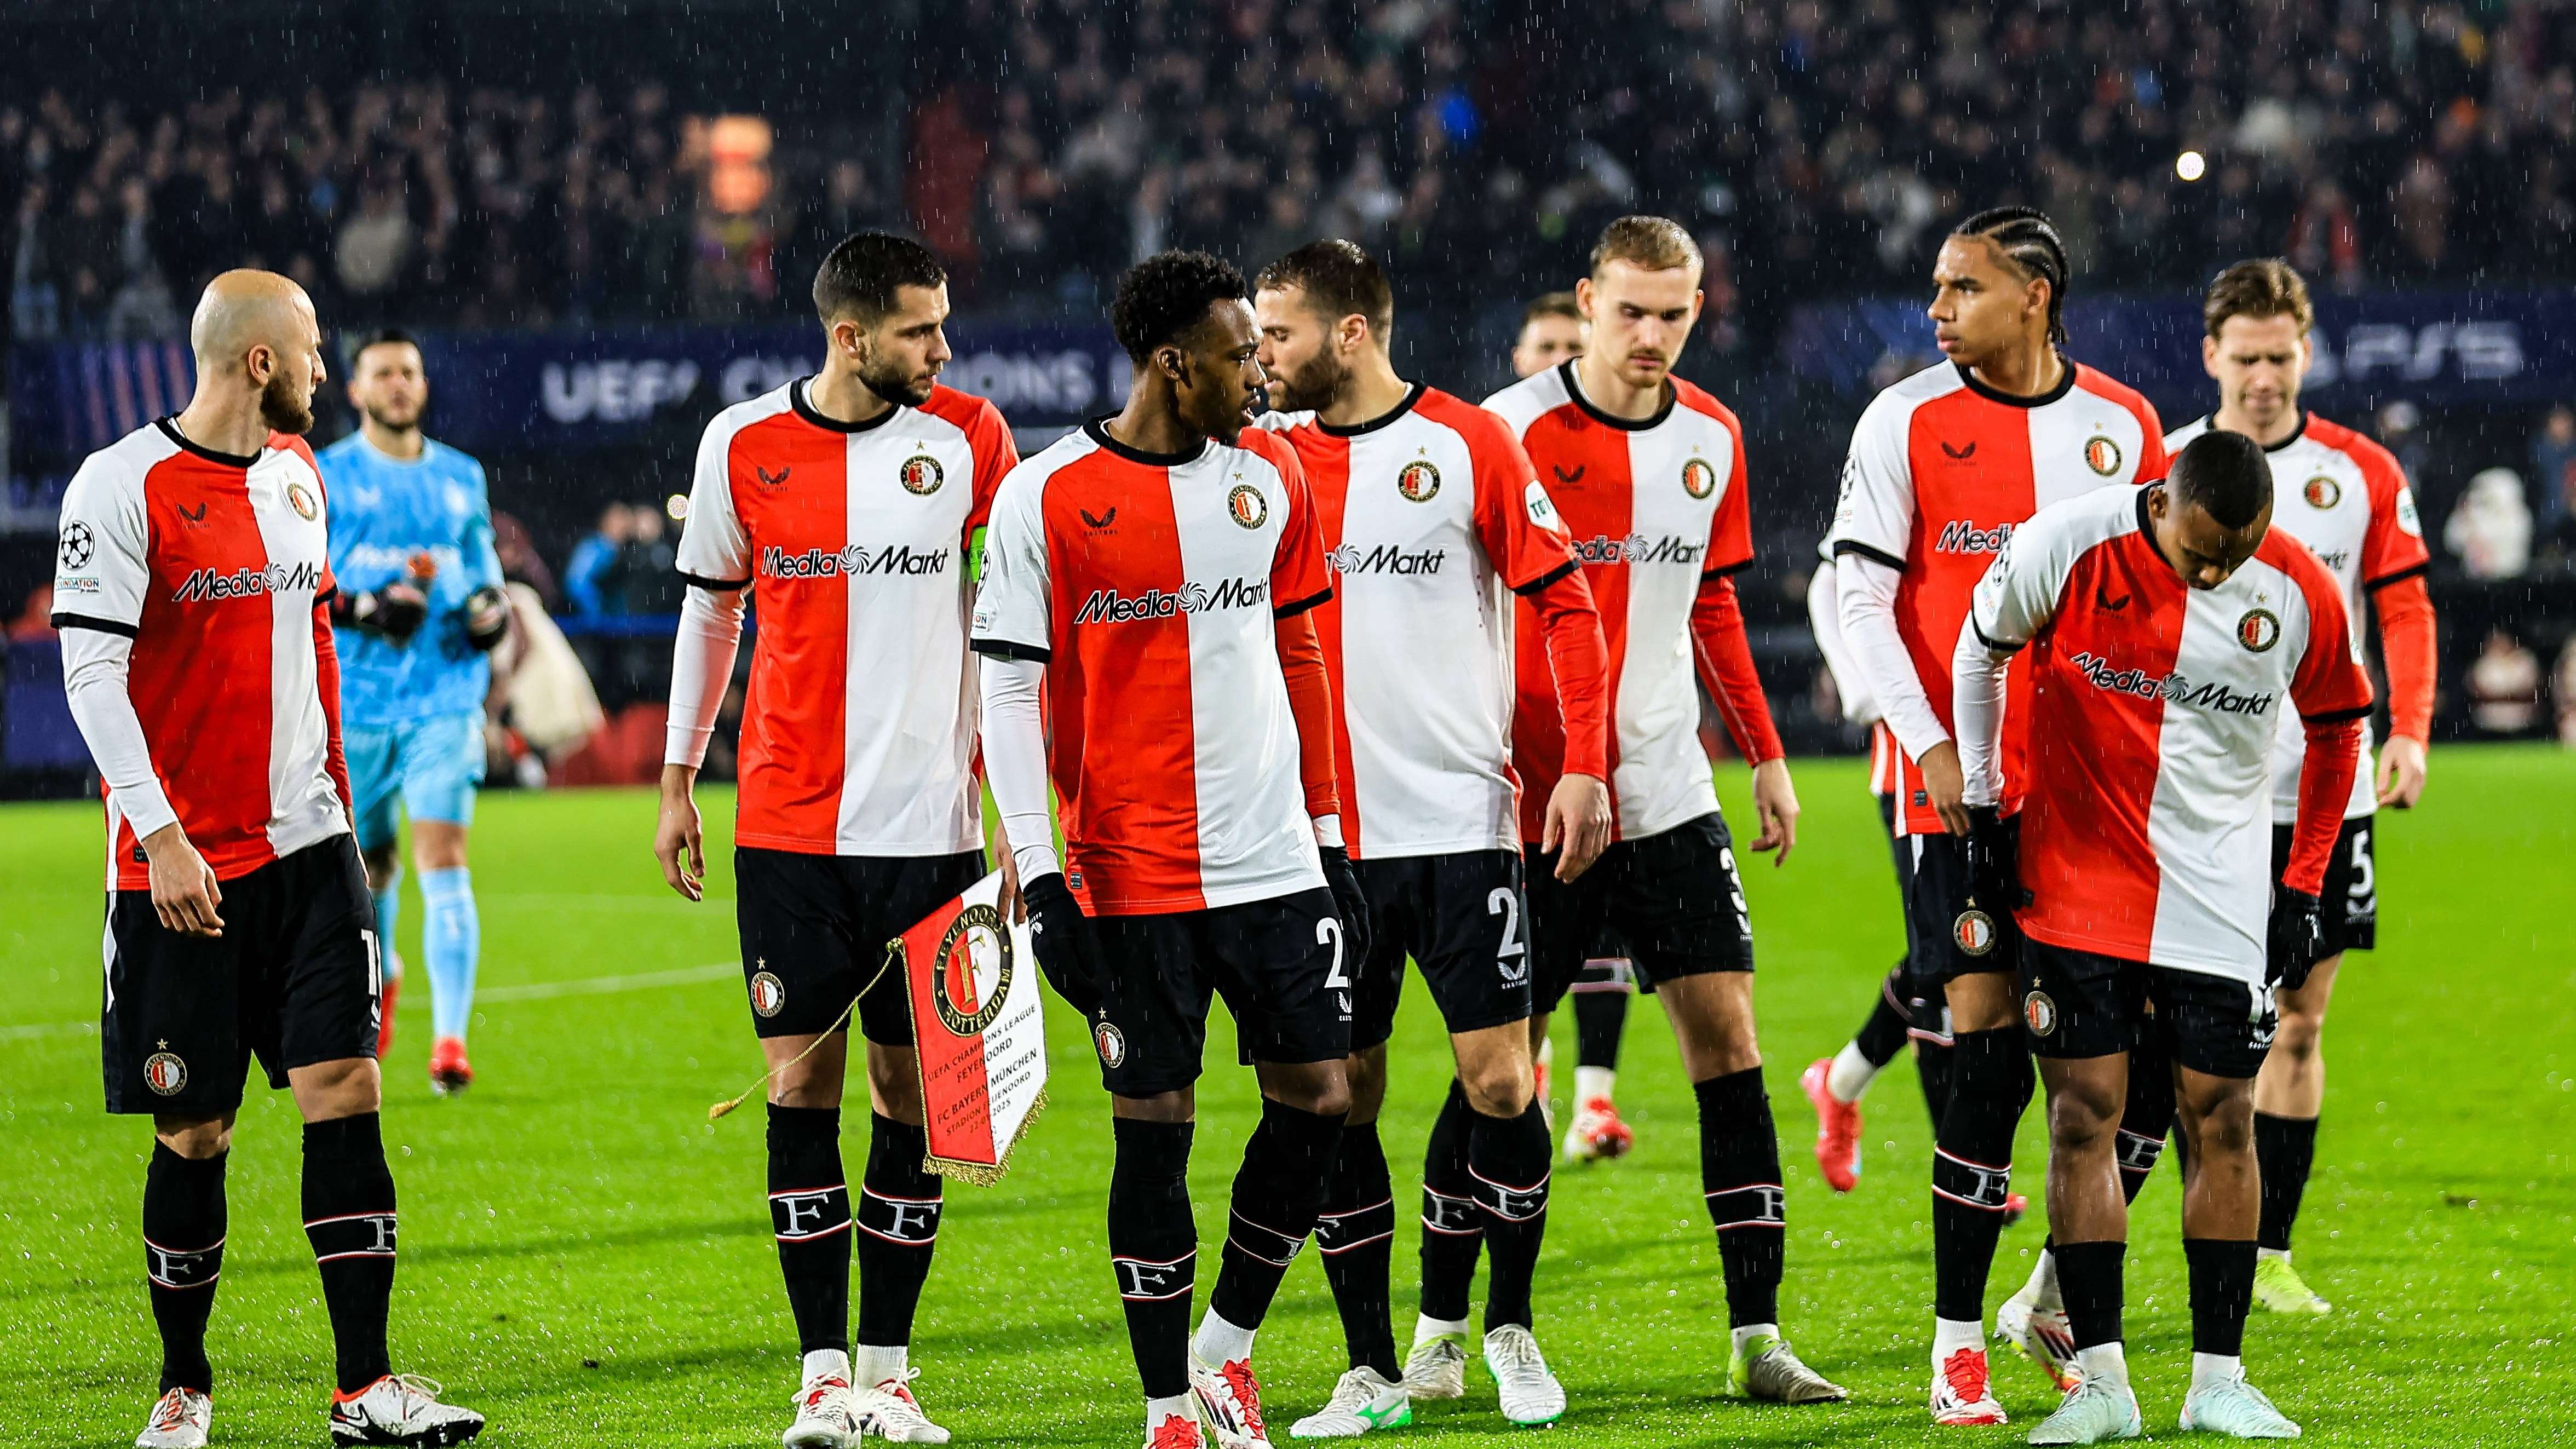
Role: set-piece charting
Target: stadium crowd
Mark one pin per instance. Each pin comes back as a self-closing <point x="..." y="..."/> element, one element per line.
<point x="2365" y="142"/>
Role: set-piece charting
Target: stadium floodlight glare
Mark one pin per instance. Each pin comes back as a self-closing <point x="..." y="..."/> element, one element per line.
<point x="2191" y="165"/>
<point x="677" y="505"/>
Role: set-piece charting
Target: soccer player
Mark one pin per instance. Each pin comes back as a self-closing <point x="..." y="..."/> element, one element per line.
<point x="2345" y="497"/>
<point x="1943" y="466"/>
<point x="1157" y="571"/>
<point x="1433" y="519"/>
<point x="192" y="586"/>
<point x="2162" y="633"/>
<point x="420" y="610"/>
<point x="1648" y="472"/>
<point x="1552" y="330"/>
<point x="844" y="504"/>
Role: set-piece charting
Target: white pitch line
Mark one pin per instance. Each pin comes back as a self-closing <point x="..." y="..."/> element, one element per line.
<point x="534" y="991"/>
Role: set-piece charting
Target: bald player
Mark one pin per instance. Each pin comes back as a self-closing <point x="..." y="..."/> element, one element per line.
<point x="192" y="589"/>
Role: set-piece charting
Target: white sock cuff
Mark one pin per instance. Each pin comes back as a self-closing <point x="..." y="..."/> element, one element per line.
<point x="1219" y="1342"/>
<point x="2216" y="1368"/>
<point x="1591" y="1082"/>
<point x="1949" y="1335"/>
<point x="1850" y="1075"/>
<point x="2104" y="1360"/>
<point x="1752" y="1331"/>
<point x="827" y="1363"/>
<point x="1179" y="1407"/>
<point x="2262" y="1253"/>
<point x="877" y="1363"/>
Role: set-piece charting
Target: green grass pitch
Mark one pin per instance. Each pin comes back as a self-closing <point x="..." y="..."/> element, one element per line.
<point x="586" y="1258"/>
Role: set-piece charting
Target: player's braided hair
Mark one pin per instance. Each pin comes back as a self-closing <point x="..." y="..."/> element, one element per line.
<point x="1165" y="296"/>
<point x="1340" y="279"/>
<point x="2226" y="475"/>
<point x="861" y="277"/>
<point x="2029" y="240"/>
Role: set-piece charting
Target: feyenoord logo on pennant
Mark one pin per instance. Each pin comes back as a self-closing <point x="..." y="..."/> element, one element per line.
<point x="1249" y="508"/>
<point x="1418" y="482"/>
<point x="922" y="474"/>
<point x="2102" y="455"/>
<point x="2322" y="492"/>
<point x="1974" y="931"/>
<point x="983" y="1078"/>
<point x="301" y="500"/>
<point x="1698" y="479"/>
<point x="768" y="993"/>
<point x="2258" y="631"/>
<point x="2040" y="1013"/>
<point x="165" y="1074"/>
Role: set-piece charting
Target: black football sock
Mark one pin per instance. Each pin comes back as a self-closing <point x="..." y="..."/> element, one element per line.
<point x="1936" y="1068"/>
<point x="2088" y="1277"/>
<point x="1972" y="1165"/>
<point x="1355" y="1234"/>
<point x="2222" y="1292"/>
<point x="1599" y="1017"/>
<point x="1154" y="1249"/>
<point x="898" y="1226"/>
<point x="1508" y="1157"/>
<point x="1882" y="1036"/>
<point x="1739" y="1171"/>
<point x="2145" y="1120"/>
<point x="1287" y="1165"/>
<point x="1453" y="1229"/>
<point x="349" y="1219"/>
<point x="183" y="1255"/>
<point x="809" y="1210"/>
<point x="2285" y="1149"/>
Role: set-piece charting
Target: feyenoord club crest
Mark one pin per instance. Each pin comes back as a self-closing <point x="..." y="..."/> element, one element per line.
<point x="1418" y="482"/>
<point x="922" y="474"/>
<point x="2040" y="1013"/>
<point x="299" y="498"/>
<point x="1974" y="931"/>
<point x="973" y="978"/>
<point x="2323" y="492"/>
<point x="1249" y="508"/>
<point x="165" y="1074"/>
<point x="1113" y="1047"/>
<point x="2102" y="455"/>
<point x="2258" y="631"/>
<point x="1698" y="479"/>
<point x="768" y="993"/>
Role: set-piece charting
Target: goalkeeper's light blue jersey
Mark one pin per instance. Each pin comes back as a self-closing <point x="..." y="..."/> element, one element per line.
<point x="384" y="512"/>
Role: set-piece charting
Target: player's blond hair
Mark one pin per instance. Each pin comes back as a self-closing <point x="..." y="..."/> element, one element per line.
<point x="1653" y="243"/>
<point x="2263" y="287"/>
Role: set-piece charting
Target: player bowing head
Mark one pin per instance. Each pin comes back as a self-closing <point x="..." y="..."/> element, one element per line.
<point x="1186" y="328"/>
<point x="2214" y="509"/>
<point x="1552" y="330"/>
<point x="883" y="300"/>
<point x="1641" y="300"/>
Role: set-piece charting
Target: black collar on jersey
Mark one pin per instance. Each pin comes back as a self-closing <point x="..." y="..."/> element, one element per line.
<point x="169" y="427"/>
<point x="2146" y="524"/>
<point x="1574" y="390"/>
<point x="2296" y="433"/>
<point x="1097" y="430"/>
<point x="1412" y="395"/>
<point x="805" y="410"/>
<point x="2065" y="385"/>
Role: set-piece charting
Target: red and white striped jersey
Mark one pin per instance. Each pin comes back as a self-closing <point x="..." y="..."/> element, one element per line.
<point x="1432" y="519"/>
<point x="212" y="564"/>
<point x="1655" y="507"/>
<point x="2345" y="497"/>
<point x="858" y="729"/>
<point x="1150" y="584"/>
<point x="1942" y="468"/>
<point x="2145" y="827"/>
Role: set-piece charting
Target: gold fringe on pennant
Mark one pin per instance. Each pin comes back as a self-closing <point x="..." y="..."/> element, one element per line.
<point x="724" y="1108"/>
<point x="984" y="1174"/>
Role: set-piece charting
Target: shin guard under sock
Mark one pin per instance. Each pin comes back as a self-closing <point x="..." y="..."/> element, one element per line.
<point x="1287" y="1166"/>
<point x="1739" y="1171"/>
<point x="2285" y="1150"/>
<point x="2089" y="1277"/>
<point x="2146" y="1119"/>
<point x="1508" y="1159"/>
<point x="1453" y="1228"/>
<point x="349" y="1219"/>
<point x="1599" y="1017"/>
<point x="809" y="1211"/>
<point x="2222" y="1293"/>
<point x="898" y="1228"/>
<point x="183" y="1255"/>
<point x="1882" y="1036"/>
<point x="1972" y="1165"/>
<point x="1355" y="1234"/>
<point x="1154" y="1249"/>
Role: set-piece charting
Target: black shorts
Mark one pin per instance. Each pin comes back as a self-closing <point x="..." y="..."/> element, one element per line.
<point x="1673" y="896"/>
<point x="815" y="930"/>
<point x="1277" y="962"/>
<point x="2350" y="900"/>
<point x="2082" y="1004"/>
<point x="1461" y="918"/>
<point x="295" y="979"/>
<point x="1946" y="936"/>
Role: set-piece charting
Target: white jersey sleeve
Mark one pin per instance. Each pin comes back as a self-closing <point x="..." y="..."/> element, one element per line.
<point x="1873" y="526"/>
<point x="101" y="575"/>
<point x="2012" y="603"/>
<point x="1824" y="616"/>
<point x="715" y="551"/>
<point x="1012" y="614"/>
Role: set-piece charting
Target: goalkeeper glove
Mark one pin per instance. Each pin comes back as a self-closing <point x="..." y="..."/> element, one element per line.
<point x="487" y="618"/>
<point x="395" y="611"/>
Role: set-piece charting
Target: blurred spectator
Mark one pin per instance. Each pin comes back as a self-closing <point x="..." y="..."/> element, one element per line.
<point x="2553" y="477"/>
<point x="520" y="561"/>
<point x="588" y="572"/>
<point x="2490" y="532"/>
<point x="646" y="576"/>
<point x="2564" y="684"/>
<point x="2504" y="686"/>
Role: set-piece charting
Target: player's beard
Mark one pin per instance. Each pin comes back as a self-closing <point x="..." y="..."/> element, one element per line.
<point x="1313" y="387"/>
<point x="895" y="384"/>
<point x="283" y="409"/>
<point x="389" y="422"/>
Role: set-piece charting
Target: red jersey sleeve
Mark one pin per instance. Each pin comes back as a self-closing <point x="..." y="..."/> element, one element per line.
<point x="1310" y="702"/>
<point x="2153" y="461"/>
<point x="1298" y="579"/>
<point x="1730" y="530"/>
<point x="995" y="456"/>
<point x="1725" y="657"/>
<point x="1515" y="519"/>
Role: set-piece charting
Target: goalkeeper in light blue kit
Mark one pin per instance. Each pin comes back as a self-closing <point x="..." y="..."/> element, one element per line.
<point x="419" y="611"/>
